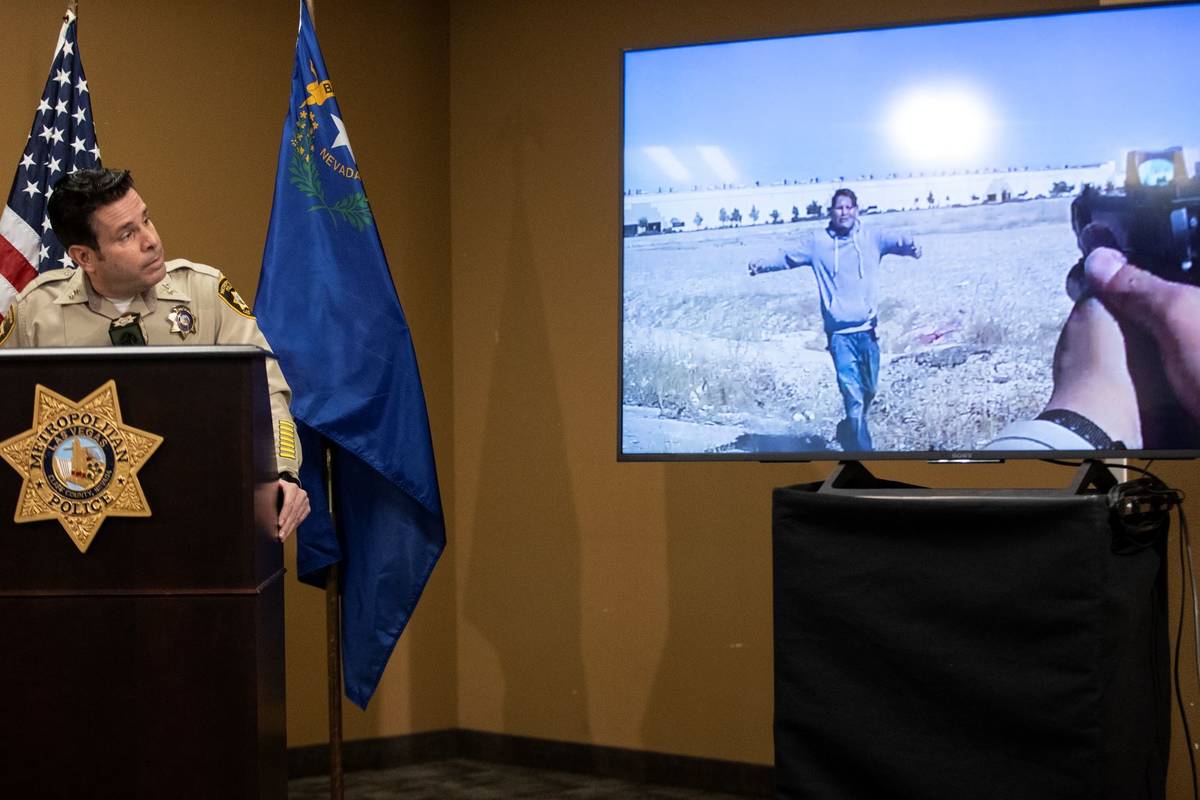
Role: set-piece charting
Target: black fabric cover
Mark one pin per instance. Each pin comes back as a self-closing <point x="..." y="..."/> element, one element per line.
<point x="981" y="645"/>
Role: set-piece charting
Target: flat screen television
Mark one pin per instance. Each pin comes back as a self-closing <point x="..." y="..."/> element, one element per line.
<point x="767" y="314"/>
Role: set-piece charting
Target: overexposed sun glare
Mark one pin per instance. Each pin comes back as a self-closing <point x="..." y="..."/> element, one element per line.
<point x="942" y="124"/>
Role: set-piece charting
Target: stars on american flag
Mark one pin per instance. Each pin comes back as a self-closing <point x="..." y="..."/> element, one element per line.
<point x="62" y="140"/>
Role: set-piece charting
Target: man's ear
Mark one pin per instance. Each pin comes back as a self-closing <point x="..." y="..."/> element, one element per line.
<point x="83" y="256"/>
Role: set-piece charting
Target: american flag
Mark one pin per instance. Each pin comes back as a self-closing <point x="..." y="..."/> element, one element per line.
<point x="62" y="140"/>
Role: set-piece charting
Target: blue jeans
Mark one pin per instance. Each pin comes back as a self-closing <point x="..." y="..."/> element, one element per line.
<point x="856" y="362"/>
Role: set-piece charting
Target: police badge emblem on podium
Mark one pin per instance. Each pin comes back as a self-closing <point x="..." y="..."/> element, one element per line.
<point x="79" y="463"/>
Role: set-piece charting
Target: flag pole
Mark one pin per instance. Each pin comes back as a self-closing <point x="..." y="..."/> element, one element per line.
<point x="333" y="649"/>
<point x="333" y="619"/>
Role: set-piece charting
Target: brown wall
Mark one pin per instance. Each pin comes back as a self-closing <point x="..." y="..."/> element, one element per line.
<point x="579" y="599"/>
<point x="622" y="604"/>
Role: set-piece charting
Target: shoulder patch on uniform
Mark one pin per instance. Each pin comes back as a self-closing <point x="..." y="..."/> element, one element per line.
<point x="232" y="298"/>
<point x="7" y="323"/>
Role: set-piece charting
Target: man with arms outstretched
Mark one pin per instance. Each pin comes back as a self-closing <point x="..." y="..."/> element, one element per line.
<point x="845" y="258"/>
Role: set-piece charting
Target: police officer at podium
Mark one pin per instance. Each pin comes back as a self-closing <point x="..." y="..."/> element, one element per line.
<point x="124" y="292"/>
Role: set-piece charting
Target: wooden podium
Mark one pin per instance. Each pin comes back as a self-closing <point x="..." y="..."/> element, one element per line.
<point x="150" y="666"/>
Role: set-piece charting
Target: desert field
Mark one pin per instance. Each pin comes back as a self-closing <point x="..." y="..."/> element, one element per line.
<point x="717" y="361"/>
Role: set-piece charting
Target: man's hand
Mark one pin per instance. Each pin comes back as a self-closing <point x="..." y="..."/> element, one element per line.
<point x="294" y="508"/>
<point x="752" y="268"/>
<point x="1101" y="369"/>
<point x="916" y="250"/>
<point x="1169" y="311"/>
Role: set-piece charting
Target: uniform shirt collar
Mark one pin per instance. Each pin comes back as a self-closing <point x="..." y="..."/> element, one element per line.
<point x="79" y="289"/>
<point x="76" y="290"/>
<point x="170" y="290"/>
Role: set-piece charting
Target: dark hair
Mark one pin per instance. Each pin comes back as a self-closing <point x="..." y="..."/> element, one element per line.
<point x="844" y="193"/>
<point x="77" y="196"/>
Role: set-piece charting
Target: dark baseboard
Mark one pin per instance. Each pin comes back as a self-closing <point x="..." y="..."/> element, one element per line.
<point x="637" y="766"/>
<point x="381" y="753"/>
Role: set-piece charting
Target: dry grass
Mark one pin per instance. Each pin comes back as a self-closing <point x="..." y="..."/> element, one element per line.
<point x="707" y="343"/>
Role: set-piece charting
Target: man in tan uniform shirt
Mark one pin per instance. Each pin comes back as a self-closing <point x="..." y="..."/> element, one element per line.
<point x="125" y="292"/>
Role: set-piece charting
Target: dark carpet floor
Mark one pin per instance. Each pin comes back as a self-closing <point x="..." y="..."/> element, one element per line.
<point x="456" y="779"/>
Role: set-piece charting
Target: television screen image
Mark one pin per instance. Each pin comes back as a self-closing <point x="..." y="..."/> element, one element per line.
<point x="870" y="243"/>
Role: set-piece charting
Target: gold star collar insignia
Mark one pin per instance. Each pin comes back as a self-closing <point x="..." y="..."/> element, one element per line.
<point x="79" y="463"/>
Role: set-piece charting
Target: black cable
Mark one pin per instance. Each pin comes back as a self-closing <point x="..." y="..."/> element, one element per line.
<point x="1145" y="471"/>
<point x="1161" y="484"/>
<point x="1183" y="533"/>
<point x="1187" y="582"/>
<point x="1062" y="463"/>
<point x="1187" y="578"/>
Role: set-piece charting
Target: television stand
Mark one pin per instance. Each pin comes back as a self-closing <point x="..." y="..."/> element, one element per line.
<point x="974" y="643"/>
<point x="1093" y="475"/>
